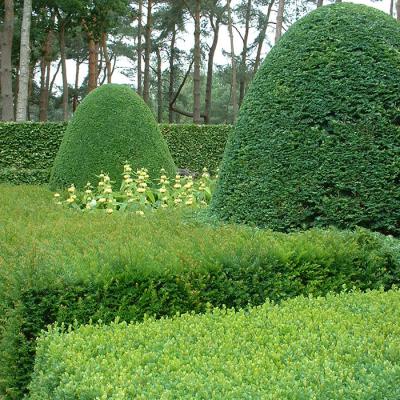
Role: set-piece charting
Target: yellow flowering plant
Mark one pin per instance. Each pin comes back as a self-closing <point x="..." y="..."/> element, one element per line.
<point x="139" y="194"/>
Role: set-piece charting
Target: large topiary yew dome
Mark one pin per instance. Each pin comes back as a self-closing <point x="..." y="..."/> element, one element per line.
<point x="111" y="126"/>
<point x="317" y="141"/>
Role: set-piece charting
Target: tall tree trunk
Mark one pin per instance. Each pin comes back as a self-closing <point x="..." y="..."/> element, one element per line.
<point x="233" y="64"/>
<point x="93" y="59"/>
<point x="279" y="20"/>
<point x="25" y="52"/>
<point x="64" y="71"/>
<point x="75" y="99"/>
<point x="7" y="35"/>
<point x="106" y="57"/>
<point x="242" y="78"/>
<point x="196" y="69"/>
<point x="171" y="76"/>
<point x="320" y="3"/>
<point x="159" y="86"/>
<point x="211" y="53"/>
<point x="139" y="50"/>
<point x="398" y="10"/>
<point x="45" y="77"/>
<point x="391" y="8"/>
<point x="262" y="37"/>
<point x="147" y="53"/>
<point x="54" y="78"/>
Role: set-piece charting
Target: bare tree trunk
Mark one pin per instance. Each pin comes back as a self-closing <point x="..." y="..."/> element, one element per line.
<point x="54" y="78"/>
<point x="171" y="75"/>
<point x="93" y="56"/>
<point x="64" y="71"/>
<point x="45" y="78"/>
<point x="320" y="3"/>
<point x="398" y="10"/>
<point x="391" y="11"/>
<point x="262" y="37"/>
<point x="139" y="50"/>
<point x="197" y="61"/>
<point x="233" y="63"/>
<point x="25" y="52"/>
<point x="6" y="63"/>
<point x="106" y="57"/>
<point x="159" y="86"/>
<point x="211" y="53"/>
<point x="147" y="53"/>
<point x="242" y="78"/>
<point x="75" y="99"/>
<point x="279" y="20"/>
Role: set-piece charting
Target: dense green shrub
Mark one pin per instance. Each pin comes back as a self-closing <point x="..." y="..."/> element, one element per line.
<point x="28" y="150"/>
<point x="57" y="265"/>
<point x="339" y="347"/>
<point x="113" y="125"/>
<point x="317" y="141"/>
<point x="197" y="146"/>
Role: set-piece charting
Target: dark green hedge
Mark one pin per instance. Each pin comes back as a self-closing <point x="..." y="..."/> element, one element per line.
<point x="317" y="141"/>
<point x="196" y="146"/>
<point x="27" y="151"/>
<point x="361" y="259"/>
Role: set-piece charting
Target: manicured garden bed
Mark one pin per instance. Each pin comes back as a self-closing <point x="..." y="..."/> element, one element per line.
<point x="338" y="347"/>
<point x="61" y="265"/>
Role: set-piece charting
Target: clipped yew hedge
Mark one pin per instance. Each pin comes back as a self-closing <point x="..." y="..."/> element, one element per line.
<point x="333" y="348"/>
<point x="317" y="142"/>
<point x="28" y="150"/>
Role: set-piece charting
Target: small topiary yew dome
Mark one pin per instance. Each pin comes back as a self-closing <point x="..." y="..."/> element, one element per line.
<point x="317" y="141"/>
<point x="111" y="126"/>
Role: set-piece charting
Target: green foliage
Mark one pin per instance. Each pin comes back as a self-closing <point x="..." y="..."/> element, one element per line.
<point x="61" y="266"/>
<point x="317" y="141"/>
<point x="112" y="126"/>
<point x="339" y="347"/>
<point x="196" y="146"/>
<point x="28" y="150"/>
<point x="140" y="194"/>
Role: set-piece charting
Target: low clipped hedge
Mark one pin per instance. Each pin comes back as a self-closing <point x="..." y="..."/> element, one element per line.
<point x="338" y="347"/>
<point x="28" y="150"/>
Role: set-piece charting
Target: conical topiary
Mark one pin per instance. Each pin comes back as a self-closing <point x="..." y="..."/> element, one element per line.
<point x="317" y="141"/>
<point x="113" y="125"/>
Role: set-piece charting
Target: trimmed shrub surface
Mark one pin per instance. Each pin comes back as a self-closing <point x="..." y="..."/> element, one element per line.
<point x="317" y="141"/>
<point x="57" y="265"/>
<point x="339" y="347"/>
<point x="113" y="125"/>
<point x="28" y="150"/>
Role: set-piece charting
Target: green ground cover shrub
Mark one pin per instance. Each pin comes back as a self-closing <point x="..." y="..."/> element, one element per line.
<point x="317" y="141"/>
<point x="28" y="150"/>
<point x="339" y="347"/>
<point x="111" y="127"/>
<point x="59" y="265"/>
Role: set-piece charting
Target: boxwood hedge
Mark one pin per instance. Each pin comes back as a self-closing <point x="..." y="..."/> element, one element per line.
<point x="317" y="141"/>
<point x="60" y="266"/>
<point x="113" y="125"/>
<point x="28" y="150"/>
<point x="338" y="347"/>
